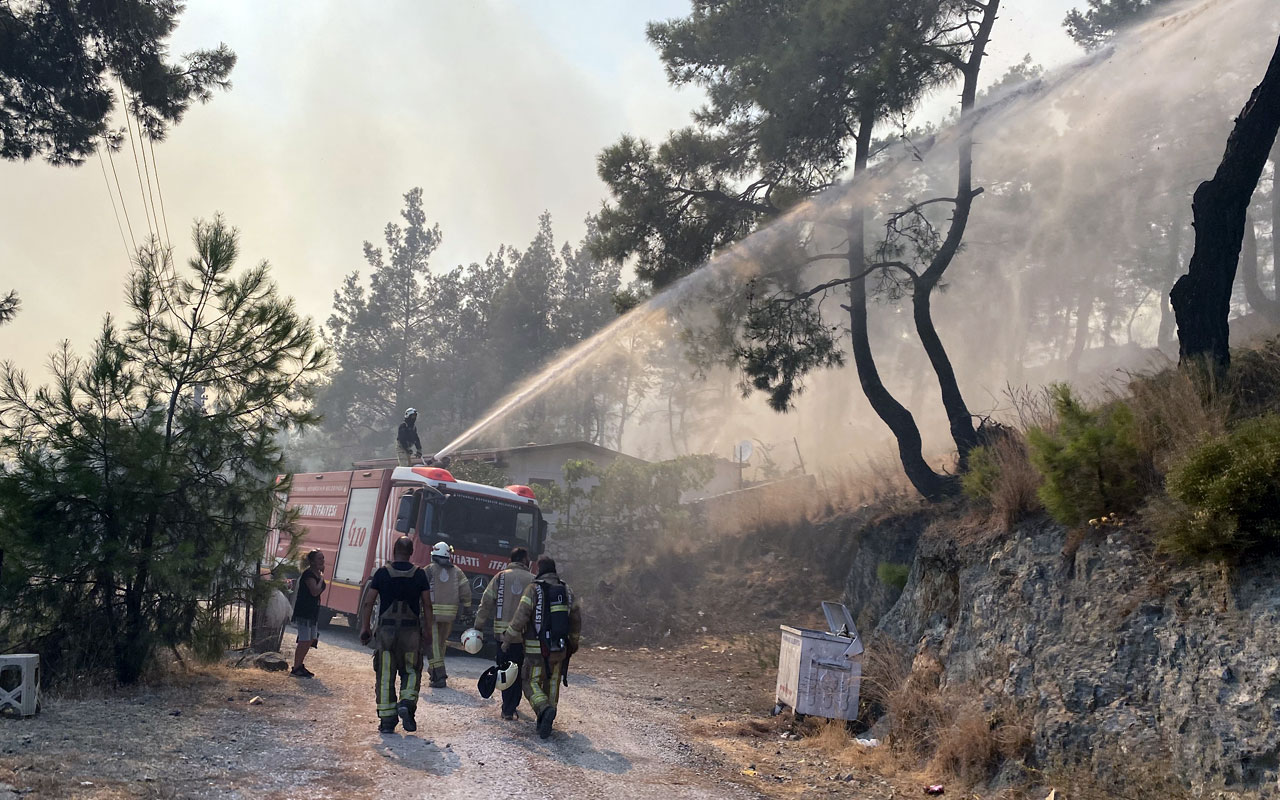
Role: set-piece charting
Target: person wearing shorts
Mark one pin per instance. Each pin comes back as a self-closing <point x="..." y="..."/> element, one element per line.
<point x="306" y="612"/>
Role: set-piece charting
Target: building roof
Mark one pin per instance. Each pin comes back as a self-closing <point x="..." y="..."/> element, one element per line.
<point x="503" y="453"/>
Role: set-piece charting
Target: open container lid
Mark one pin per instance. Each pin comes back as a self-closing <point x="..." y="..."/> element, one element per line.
<point x="840" y="623"/>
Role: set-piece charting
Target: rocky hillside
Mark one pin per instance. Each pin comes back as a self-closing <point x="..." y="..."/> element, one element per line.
<point x="1127" y="667"/>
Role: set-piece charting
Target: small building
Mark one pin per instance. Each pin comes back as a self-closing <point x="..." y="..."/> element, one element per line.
<point x="543" y="464"/>
<point x="726" y="476"/>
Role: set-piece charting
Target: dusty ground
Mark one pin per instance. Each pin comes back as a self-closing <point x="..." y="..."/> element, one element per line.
<point x="687" y="722"/>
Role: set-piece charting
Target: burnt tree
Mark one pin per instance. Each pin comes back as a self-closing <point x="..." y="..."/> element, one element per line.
<point x="1201" y="298"/>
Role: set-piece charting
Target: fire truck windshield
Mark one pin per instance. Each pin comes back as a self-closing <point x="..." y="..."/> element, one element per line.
<point x="483" y="525"/>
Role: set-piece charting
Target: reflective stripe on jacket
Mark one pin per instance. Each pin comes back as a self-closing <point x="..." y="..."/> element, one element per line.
<point x="450" y="590"/>
<point x="502" y="596"/>
<point x="521" y="628"/>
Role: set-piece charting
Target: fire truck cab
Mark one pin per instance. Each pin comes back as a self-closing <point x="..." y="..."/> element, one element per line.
<point x="354" y="517"/>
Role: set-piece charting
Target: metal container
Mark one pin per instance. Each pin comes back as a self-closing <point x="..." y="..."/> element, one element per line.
<point x="820" y="672"/>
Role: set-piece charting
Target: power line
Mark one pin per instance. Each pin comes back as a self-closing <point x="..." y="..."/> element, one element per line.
<point x="123" y="204"/>
<point x="136" y="165"/>
<point x="147" y="170"/>
<point x="155" y="167"/>
<point x="128" y="254"/>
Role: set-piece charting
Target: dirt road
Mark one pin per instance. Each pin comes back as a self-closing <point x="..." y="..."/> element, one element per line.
<point x="318" y="739"/>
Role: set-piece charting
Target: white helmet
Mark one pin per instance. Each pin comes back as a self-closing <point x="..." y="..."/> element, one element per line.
<point x="508" y="675"/>
<point x="409" y="412"/>
<point x="442" y="550"/>
<point x="472" y="641"/>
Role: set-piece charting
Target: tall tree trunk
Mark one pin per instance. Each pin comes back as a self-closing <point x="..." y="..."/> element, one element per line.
<point x="928" y="483"/>
<point x="1275" y="219"/>
<point x="1084" y="310"/>
<point x="959" y="419"/>
<point x="1258" y="300"/>
<point x="1202" y="298"/>
<point x="1165" y="335"/>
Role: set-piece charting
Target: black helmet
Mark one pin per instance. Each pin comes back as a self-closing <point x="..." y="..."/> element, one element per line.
<point x="488" y="682"/>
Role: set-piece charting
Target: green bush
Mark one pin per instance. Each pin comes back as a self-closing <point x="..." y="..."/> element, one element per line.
<point x="1091" y="461"/>
<point x="979" y="482"/>
<point x="894" y="575"/>
<point x="1229" y="491"/>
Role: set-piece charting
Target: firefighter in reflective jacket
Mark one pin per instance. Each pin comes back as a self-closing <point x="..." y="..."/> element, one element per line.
<point x="450" y="595"/>
<point x="499" y="602"/>
<point x="402" y="594"/>
<point x="548" y="622"/>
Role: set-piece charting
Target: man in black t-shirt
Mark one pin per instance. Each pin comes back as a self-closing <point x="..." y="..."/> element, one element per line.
<point x="403" y="595"/>
<point x="306" y="612"/>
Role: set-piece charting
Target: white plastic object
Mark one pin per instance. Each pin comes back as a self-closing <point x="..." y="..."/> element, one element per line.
<point x="472" y="641"/>
<point x="25" y="696"/>
<point x="508" y="677"/>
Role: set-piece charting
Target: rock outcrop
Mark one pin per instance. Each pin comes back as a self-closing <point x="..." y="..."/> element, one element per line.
<point x="1127" y="665"/>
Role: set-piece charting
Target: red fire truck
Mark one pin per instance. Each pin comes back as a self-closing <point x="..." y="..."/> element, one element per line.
<point x="353" y="517"/>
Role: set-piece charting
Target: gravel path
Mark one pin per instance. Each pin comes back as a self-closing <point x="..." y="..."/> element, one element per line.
<point x="318" y="739"/>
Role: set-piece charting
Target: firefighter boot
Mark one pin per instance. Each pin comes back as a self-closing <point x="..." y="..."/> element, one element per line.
<point x="386" y="724"/>
<point x="404" y="710"/>
<point x="437" y="677"/>
<point x="545" y="720"/>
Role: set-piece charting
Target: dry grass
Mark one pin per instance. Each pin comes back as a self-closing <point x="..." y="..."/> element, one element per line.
<point x="877" y="481"/>
<point x="1254" y="382"/>
<point x="833" y="740"/>
<point x="936" y="732"/>
<point x="1174" y="411"/>
<point x="1011" y="488"/>
<point x="1028" y="408"/>
<point x="1139" y="781"/>
<point x="973" y="743"/>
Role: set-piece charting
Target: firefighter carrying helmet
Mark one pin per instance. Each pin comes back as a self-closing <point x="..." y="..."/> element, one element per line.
<point x="488" y="682"/>
<point x="472" y="641"/>
<point x="508" y="674"/>
<point x="442" y="550"/>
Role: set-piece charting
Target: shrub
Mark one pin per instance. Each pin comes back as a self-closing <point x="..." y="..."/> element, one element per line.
<point x="1001" y="477"/>
<point x="894" y="575"/>
<point x="979" y="482"/>
<point x="1229" y="495"/>
<point x="1091" y="462"/>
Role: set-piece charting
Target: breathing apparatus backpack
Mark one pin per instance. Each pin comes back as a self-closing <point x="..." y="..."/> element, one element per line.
<point x="551" y="616"/>
<point x="399" y="613"/>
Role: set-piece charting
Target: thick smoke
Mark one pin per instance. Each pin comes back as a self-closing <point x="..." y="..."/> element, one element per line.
<point x="1083" y="226"/>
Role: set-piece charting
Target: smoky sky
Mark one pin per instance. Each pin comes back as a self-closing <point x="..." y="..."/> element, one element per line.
<point x="497" y="109"/>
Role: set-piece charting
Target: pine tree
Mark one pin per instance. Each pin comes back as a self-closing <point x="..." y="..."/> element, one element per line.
<point x="141" y="483"/>
<point x="63" y="63"/>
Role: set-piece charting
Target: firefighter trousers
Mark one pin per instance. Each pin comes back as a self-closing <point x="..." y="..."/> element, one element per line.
<point x="511" y="694"/>
<point x="399" y="652"/>
<point x="443" y="627"/>
<point x="541" y="679"/>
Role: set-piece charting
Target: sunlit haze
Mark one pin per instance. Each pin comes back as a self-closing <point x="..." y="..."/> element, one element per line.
<point x="497" y="109"/>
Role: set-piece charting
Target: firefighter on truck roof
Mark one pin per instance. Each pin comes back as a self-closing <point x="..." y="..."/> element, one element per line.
<point x="450" y="596"/>
<point x="499" y="602"/>
<point x="408" y="445"/>
<point x="404" y="631"/>
<point x="548" y="622"/>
